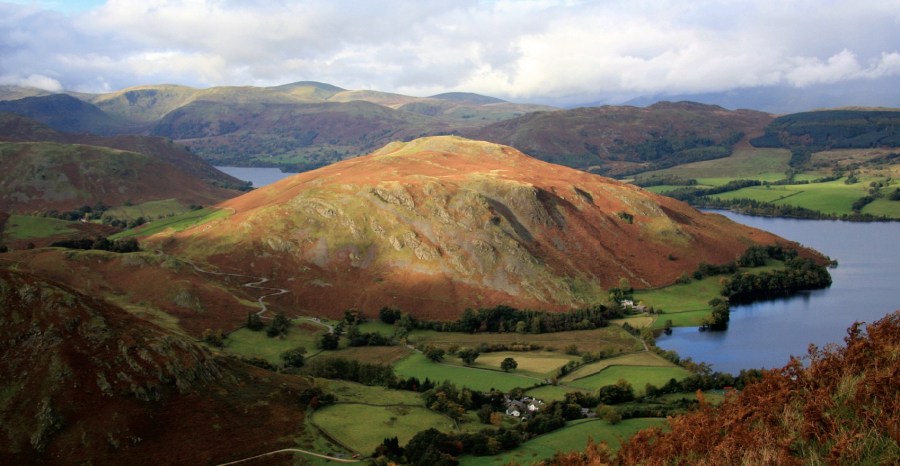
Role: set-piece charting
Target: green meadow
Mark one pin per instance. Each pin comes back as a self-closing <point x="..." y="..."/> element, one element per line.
<point x="570" y="438"/>
<point x="29" y="227"/>
<point x="641" y="359"/>
<point x="149" y="210"/>
<point x="831" y="197"/>
<point x="256" y="344"/>
<point x="363" y="427"/>
<point x="417" y="365"/>
<point x="175" y="223"/>
<point x="637" y="376"/>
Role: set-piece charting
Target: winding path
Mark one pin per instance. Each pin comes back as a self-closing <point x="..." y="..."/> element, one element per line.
<point x="292" y="450"/>
<point x="257" y="284"/>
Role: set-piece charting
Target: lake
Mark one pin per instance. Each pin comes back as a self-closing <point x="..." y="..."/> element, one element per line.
<point x="259" y="176"/>
<point x="764" y="334"/>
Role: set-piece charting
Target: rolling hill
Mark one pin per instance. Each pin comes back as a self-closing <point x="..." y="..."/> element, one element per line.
<point x="623" y="140"/>
<point x="22" y="129"/>
<point x="68" y="114"/>
<point x="40" y="176"/>
<point x="44" y="169"/>
<point x="440" y="224"/>
<point x="834" y="129"/>
<point x="297" y="126"/>
<point x="83" y="381"/>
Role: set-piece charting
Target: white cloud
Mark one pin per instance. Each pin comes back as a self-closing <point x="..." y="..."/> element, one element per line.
<point x="33" y="80"/>
<point x="841" y="67"/>
<point x="525" y="50"/>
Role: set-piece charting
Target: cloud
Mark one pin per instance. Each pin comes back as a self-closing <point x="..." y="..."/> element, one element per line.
<point x="33" y="80"/>
<point x="526" y="50"/>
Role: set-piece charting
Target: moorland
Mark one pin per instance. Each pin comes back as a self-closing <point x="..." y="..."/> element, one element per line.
<point x="455" y="279"/>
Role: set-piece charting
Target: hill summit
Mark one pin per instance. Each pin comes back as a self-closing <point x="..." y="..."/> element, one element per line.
<point x="440" y="224"/>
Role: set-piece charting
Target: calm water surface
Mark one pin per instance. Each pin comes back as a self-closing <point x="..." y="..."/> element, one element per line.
<point x="764" y="334"/>
<point x="259" y="176"/>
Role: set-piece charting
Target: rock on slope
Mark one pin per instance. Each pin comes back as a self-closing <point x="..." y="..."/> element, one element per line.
<point x="443" y="223"/>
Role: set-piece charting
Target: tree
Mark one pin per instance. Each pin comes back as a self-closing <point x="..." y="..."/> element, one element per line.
<point x="535" y="326"/>
<point x="720" y="314"/>
<point x="435" y="354"/>
<point x="279" y="326"/>
<point x="509" y="364"/>
<point x="254" y="322"/>
<point x="212" y="338"/>
<point x="468" y="356"/>
<point x="609" y="414"/>
<point x="520" y="326"/>
<point x="294" y="357"/>
<point x="389" y="315"/>
<point x="619" y="392"/>
<point x="329" y="341"/>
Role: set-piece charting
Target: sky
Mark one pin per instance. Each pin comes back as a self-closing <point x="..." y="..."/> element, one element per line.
<point x="545" y="51"/>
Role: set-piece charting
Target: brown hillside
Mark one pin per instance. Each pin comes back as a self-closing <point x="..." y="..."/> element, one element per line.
<point x="21" y="129"/>
<point x="440" y="224"/>
<point x="614" y="139"/>
<point x="152" y="286"/>
<point x="85" y="382"/>
<point x="36" y="176"/>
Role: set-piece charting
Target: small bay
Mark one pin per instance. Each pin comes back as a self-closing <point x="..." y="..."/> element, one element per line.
<point x="766" y="333"/>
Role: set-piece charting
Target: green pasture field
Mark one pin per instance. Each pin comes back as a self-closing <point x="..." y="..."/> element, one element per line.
<point x="643" y="358"/>
<point x="363" y="427"/>
<point x="149" y="210"/>
<point x="371" y="354"/>
<point x="177" y="223"/>
<point x="681" y="319"/>
<point x="245" y="342"/>
<point x="748" y="163"/>
<point x="830" y="197"/>
<point x="714" y="397"/>
<point x="376" y="326"/>
<point x="637" y="376"/>
<point x="551" y="392"/>
<point x="665" y="188"/>
<point x="352" y="392"/>
<point x="693" y="296"/>
<point x="541" y="364"/>
<point x="883" y="207"/>
<point x="27" y="227"/>
<point x="586" y="340"/>
<point x="687" y="304"/>
<point x="417" y="365"/>
<point x="573" y="437"/>
<point x="635" y="321"/>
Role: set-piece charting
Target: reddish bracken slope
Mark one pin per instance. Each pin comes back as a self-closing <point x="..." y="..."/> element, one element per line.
<point x="444" y="223"/>
<point x="83" y="381"/>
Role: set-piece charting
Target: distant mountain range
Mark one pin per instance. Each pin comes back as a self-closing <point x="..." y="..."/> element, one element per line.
<point x="297" y="126"/>
<point x="305" y="125"/>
